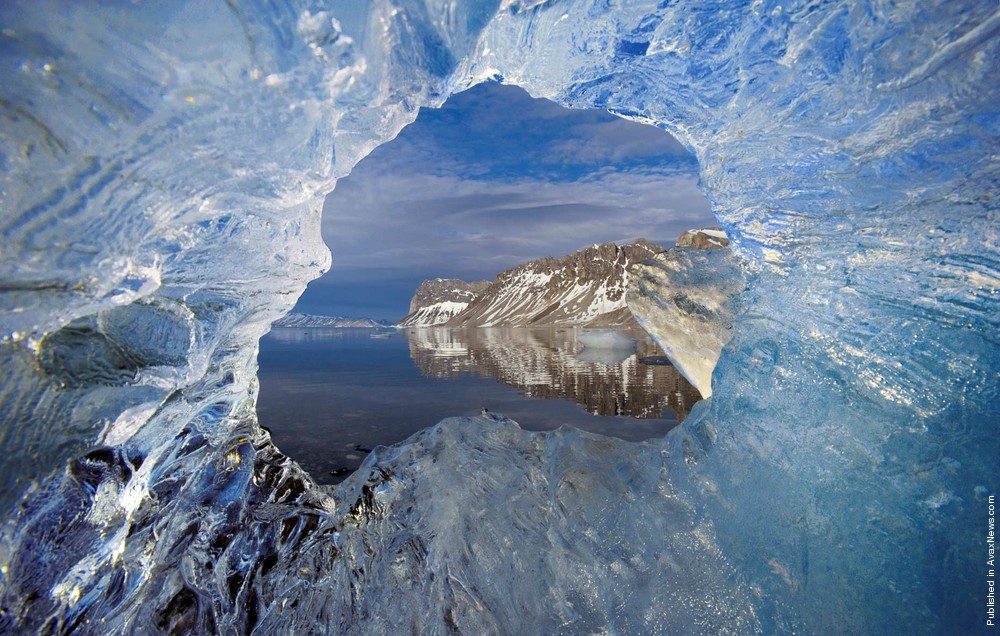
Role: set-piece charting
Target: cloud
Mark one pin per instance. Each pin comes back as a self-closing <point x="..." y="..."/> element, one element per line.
<point x="437" y="222"/>
<point x="490" y="180"/>
<point x="615" y="142"/>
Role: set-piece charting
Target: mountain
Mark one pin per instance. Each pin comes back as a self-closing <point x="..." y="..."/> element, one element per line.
<point x="710" y="238"/>
<point x="309" y="320"/>
<point x="437" y="301"/>
<point x="583" y="288"/>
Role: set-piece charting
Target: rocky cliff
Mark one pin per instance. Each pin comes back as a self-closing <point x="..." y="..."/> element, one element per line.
<point x="584" y="288"/>
<point x="438" y="300"/>
<point x="711" y="238"/>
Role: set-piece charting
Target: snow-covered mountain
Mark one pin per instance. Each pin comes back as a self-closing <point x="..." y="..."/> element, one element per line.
<point x="584" y="288"/>
<point x="710" y="238"/>
<point x="439" y="300"/>
<point x="309" y="320"/>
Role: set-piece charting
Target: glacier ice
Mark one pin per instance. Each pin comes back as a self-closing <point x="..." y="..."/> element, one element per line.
<point x="605" y="339"/>
<point x="688" y="299"/>
<point x="605" y="346"/>
<point x="162" y="168"/>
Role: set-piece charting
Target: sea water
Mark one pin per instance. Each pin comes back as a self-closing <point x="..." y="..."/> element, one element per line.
<point x="329" y="396"/>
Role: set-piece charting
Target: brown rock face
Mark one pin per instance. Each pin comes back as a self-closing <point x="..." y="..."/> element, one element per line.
<point x="584" y="288"/>
<point x="712" y="238"/>
<point x="439" y="299"/>
<point x="437" y="290"/>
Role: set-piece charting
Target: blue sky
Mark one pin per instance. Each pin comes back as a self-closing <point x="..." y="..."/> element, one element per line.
<point x="490" y="180"/>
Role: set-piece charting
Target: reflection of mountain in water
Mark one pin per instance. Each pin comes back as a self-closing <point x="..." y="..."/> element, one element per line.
<point x="544" y="363"/>
<point x="320" y="334"/>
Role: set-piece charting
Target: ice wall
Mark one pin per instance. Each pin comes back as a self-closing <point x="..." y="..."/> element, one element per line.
<point x="162" y="168"/>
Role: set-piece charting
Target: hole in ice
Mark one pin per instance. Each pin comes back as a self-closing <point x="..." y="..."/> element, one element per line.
<point x="492" y="180"/>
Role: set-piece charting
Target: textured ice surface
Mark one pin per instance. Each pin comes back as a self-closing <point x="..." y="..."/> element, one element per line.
<point x="401" y="558"/>
<point x="687" y="299"/>
<point x="162" y="172"/>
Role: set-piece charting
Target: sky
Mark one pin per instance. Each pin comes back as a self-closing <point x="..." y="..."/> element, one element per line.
<point x="490" y="180"/>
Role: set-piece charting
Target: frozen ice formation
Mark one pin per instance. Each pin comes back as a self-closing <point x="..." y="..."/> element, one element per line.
<point x="687" y="299"/>
<point x="605" y="339"/>
<point x="539" y="511"/>
<point x="163" y="165"/>
<point x="605" y="346"/>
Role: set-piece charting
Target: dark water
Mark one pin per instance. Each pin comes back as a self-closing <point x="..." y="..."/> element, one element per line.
<point x="329" y="396"/>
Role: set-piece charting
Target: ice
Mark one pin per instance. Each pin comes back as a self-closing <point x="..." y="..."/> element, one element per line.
<point x="163" y="166"/>
<point x="688" y="299"/>
<point x="605" y="339"/>
<point x="450" y="560"/>
<point x="609" y="357"/>
<point x="605" y="346"/>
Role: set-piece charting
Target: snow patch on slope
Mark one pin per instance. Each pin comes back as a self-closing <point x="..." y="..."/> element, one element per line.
<point x="432" y="315"/>
<point x="582" y="288"/>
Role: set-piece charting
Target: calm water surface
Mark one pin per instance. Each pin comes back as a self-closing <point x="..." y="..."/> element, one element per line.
<point x="328" y="396"/>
